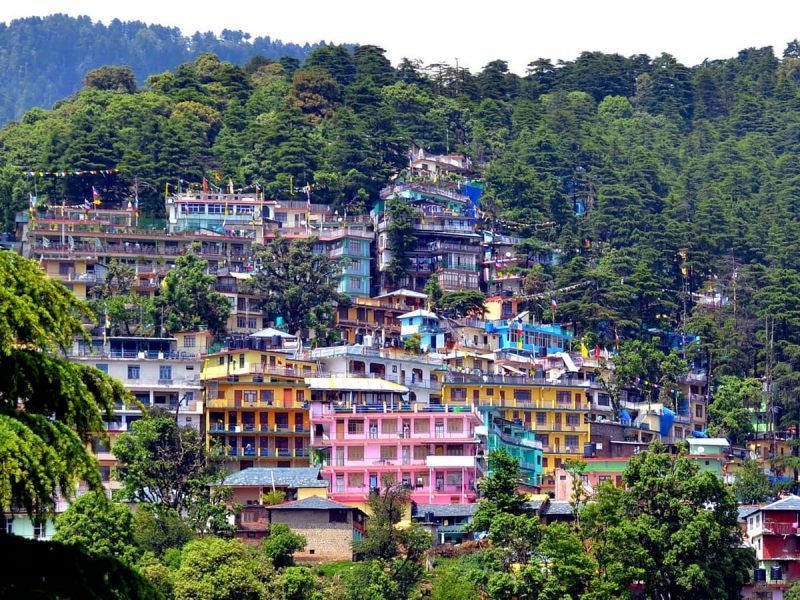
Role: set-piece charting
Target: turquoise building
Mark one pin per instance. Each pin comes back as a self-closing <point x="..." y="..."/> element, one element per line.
<point x="426" y="324"/>
<point x="518" y="442"/>
<point x="529" y="338"/>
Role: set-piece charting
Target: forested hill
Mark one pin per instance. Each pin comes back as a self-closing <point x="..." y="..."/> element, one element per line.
<point x="653" y="181"/>
<point x="44" y="59"/>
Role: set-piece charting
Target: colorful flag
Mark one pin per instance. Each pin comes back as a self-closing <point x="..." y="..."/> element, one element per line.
<point x="230" y="186"/>
<point x="308" y="196"/>
<point x="205" y="185"/>
<point x="95" y="196"/>
<point x="86" y="205"/>
<point x="584" y="350"/>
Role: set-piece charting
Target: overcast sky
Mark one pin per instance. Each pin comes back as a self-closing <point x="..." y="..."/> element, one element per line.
<point x="470" y="31"/>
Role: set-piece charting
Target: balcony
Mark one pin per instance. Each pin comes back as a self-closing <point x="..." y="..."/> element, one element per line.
<point x="256" y="404"/>
<point x="774" y="528"/>
<point x="266" y="453"/>
<point x="218" y="429"/>
<point x="406" y="407"/>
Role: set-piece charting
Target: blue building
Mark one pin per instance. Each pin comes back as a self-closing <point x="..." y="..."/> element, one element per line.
<point x="426" y="324"/>
<point x="529" y="338"/>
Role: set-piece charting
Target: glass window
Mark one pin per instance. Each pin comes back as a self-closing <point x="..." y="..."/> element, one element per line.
<point x="133" y="371"/>
<point x="541" y="418"/>
<point x="571" y="442"/>
<point x="102" y="367"/>
<point x="165" y="372"/>
<point x="573" y="420"/>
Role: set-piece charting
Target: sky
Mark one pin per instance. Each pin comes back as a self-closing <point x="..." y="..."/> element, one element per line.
<point x="470" y="32"/>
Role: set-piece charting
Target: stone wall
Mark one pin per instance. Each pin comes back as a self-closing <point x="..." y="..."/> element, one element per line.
<point x="325" y="540"/>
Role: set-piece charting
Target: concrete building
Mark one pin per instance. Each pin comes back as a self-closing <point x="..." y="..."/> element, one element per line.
<point x="330" y="528"/>
<point x="774" y="534"/>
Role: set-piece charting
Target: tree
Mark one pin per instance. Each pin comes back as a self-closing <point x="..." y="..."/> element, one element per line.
<point x="112" y="79"/>
<point x="281" y="544"/>
<point x="400" y="550"/>
<point x="688" y="525"/>
<point x="216" y="569"/>
<point x="49" y="407"/>
<point x="166" y="465"/>
<point x="752" y="483"/>
<point x="728" y="411"/>
<point x="499" y="491"/>
<point x="297" y="284"/>
<point x="464" y="303"/>
<point x="99" y="526"/>
<point x="188" y="300"/>
<point x="400" y="237"/>
<point x="434" y="292"/>
<point x="157" y="530"/>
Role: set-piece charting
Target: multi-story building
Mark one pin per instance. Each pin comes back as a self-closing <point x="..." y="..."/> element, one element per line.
<point x="374" y="321"/>
<point x="420" y="373"/>
<point x="246" y="314"/>
<point x="773" y="532"/>
<point x="257" y="401"/>
<point x="517" y="441"/>
<point x="557" y="412"/>
<point x="428" y="326"/>
<point x="522" y="335"/>
<point x="369" y="437"/>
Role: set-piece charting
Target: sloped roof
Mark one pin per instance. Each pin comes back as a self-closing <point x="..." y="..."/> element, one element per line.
<point x="270" y="332"/>
<point x="708" y="442"/>
<point x="447" y="510"/>
<point x="311" y="503"/>
<point x="746" y="511"/>
<point x="293" y="477"/>
<point x="557" y="507"/>
<point x="791" y="502"/>
<point x="406" y="293"/>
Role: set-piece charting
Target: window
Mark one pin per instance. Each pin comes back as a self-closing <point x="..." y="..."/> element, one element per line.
<point x="102" y="367"/>
<point x="603" y="400"/>
<point x="266" y="395"/>
<point x="454" y="478"/>
<point x="458" y="394"/>
<point x="541" y="418"/>
<point x="6" y="524"/>
<point x="389" y="426"/>
<point x="490" y="391"/>
<point x="573" y="420"/>
<point x="420" y="452"/>
<point x="355" y="480"/>
<point x="355" y="453"/>
<point x="249" y="396"/>
<point x="165" y="372"/>
<point x="190" y="341"/>
<point x="338" y="516"/>
<point x="698" y="411"/>
<point x="455" y="426"/>
<point x="558" y="463"/>
<point x="133" y="371"/>
<point x="281" y="217"/>
<point x="241" y="322"/>
<point x="563" y="397"/>
<point x="544" y="438"/>
<point x="571" y="442"/>
<point x="422" y="426"/>
<point x="355" y="427"/>
<point x="39" y="530"/>
<point x="388" y="452"/>
<point x="455" y="450"/>
<point x="522" y="395"/>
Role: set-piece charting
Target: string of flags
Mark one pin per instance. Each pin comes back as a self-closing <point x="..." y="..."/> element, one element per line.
<point x="70" y="173"/>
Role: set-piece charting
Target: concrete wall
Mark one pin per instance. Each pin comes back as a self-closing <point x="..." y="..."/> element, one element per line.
<point x="325" y="540"/>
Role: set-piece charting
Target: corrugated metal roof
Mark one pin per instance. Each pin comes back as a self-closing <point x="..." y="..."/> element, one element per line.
<point x="355" y="384"/>
<point x="447" y="510"/>
<point x="420" y="312"/>
<point x="292" y="477"/>
<point x="311" y="503"/>
<point x="789" y="503"/>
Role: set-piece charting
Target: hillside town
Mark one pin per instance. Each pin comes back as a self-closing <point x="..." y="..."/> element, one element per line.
<point x="408" y="392"/>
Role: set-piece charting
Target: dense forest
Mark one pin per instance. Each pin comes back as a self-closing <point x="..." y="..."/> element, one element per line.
<point x="44" y="59"/>
<point x="686" y="180"/>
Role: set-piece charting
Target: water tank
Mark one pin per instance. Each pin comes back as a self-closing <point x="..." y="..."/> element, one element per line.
<point x="775" y="573"/>
<point x="589" y="450"/>
<point x="759" y="575"/>
<point x="276" y="341"/>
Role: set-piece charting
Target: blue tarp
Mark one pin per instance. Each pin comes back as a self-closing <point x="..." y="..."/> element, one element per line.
<point x="625" y="417"/>
<point x="472" y="192"/>
<point x="667" y="419"/>
<point x="700" y="434"/>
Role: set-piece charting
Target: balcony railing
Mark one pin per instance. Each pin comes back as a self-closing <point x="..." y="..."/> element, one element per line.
<point x="255" y="428"/>
<point x="267" y="452"/>
<point x="256" y="404"/>
<point x="781" y="528"/>
<point x="396" y="408"/>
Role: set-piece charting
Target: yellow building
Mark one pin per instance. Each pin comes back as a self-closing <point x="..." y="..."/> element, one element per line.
<point x="558" y="413"/>
<point x="256" y="403"/>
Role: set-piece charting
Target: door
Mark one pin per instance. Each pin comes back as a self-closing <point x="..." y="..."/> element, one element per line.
<point x="406" y="455"/>
<point x="558" y="422"/>
<point x="340" y="429"/>
<point x="340" y="456"/>
<point x="373" y="481"/>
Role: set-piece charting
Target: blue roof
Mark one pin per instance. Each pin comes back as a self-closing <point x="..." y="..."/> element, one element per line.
<point x="312" y="503"/>
<point x="291" y="477"/>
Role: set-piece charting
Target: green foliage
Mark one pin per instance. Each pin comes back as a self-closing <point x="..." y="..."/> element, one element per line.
<point x="165" y="465"/>
<point x="413" y="343"/>
<point x="752" y="484"/>
<point x="217" y="569"/>
<point x="39" y="569"/>
<point x="99" y="526"/>
<point x="157" y="529"/>
<point x="728" y="412"/>
<point x="273" y="497"/>
<point x="281" y="544"/>
<point x="400" y="238"/>
<point x="498" y="491"/>
<point x="187" y="300"/>
<point x="434" y="292"/>
<point x="464" y="303"/>
<point x="49" y="407"/>
<point x="369" y="581"/>
<point x="299" y="583"/>
<point x="298" y="284"/>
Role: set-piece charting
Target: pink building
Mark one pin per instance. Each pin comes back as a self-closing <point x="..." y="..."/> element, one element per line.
<point x="369" y="437"/>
